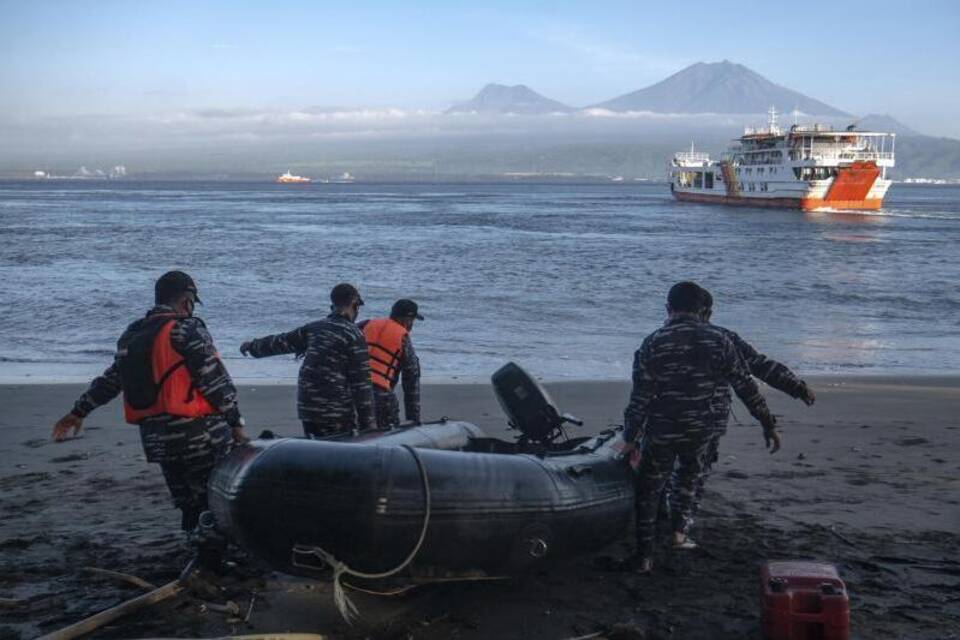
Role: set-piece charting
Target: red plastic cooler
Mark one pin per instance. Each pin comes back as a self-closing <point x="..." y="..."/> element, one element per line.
<point x="804" y="601"/>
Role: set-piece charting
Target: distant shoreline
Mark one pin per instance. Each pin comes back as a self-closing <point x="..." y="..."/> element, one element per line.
<point x="268" y="181"/>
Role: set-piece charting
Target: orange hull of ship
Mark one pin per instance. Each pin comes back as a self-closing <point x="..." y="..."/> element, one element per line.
<point x="806" y="204"/>
<point x="871" y="204"/>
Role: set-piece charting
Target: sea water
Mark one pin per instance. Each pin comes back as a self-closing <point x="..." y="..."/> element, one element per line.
<point x="563" y="279"/>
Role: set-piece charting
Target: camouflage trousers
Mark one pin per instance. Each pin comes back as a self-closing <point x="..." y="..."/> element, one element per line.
<point x="386" y="408"/>
<point x="711" y="456"/>
<point x="661" y="451"/>
<point x="187" y="451"/>
<point x="316" y="430"/>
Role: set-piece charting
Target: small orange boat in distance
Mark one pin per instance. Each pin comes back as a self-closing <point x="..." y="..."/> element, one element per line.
<point x="289" y="178"/>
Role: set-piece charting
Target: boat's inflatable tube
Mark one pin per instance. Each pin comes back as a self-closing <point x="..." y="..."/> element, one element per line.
<point x="493" y="510"/>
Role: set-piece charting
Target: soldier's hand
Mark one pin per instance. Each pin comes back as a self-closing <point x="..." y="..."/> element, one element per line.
<point x="772" y="438"/>
<point x="807" y="395"/>
<point x="61" y="430"/>
<point x="246" y="347"/>
<point x="627" y="449"/>
<point x="239" y="437"/>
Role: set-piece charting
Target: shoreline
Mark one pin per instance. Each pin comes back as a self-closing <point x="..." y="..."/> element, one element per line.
<point x="912" y="379"/>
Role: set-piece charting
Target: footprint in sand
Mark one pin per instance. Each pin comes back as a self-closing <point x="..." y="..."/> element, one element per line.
<point x="10" y="482"/>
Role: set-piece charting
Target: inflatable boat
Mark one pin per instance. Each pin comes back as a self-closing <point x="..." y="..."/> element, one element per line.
<point x="444" y="497"/>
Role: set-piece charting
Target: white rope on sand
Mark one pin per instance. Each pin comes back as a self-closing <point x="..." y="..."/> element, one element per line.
<point x="345" y="606"/>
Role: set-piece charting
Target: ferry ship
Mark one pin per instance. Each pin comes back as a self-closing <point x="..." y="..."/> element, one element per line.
<point x="807" y="167"/>
<point x="289" y="178"/>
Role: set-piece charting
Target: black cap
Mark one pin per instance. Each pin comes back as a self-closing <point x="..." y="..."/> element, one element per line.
<point x="405" y="308"/>
<point x="343" y="294"/>
<point x="172" y="284"/>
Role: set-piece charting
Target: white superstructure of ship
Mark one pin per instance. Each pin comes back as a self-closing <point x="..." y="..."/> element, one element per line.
<point x="806" y="167"/>
<point x="289" y="178"/>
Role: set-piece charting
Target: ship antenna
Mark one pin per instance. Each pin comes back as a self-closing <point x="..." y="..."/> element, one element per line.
<point x="796" y="114"/>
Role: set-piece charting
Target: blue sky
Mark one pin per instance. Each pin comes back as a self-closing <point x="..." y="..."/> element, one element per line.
<point x="133" y="58"/>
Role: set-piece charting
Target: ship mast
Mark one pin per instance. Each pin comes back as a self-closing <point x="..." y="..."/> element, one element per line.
<point x="772" y="125"/>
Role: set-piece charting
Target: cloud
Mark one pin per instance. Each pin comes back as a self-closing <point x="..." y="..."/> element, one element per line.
<point x="218" y="130"/>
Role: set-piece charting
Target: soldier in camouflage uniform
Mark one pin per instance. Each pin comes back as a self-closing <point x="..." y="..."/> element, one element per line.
<point x="390" y="363"/>
<point x="774" y="373"/>
<point x="186" y="448"/>
<point x="334" y="395"/>
<point x="676" y="374"/>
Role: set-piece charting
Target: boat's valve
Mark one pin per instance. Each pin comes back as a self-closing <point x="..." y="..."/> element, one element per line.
<point x="537" y="547"/>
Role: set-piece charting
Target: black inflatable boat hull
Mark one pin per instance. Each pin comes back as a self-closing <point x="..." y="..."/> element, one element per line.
<point x="491" y="512"/>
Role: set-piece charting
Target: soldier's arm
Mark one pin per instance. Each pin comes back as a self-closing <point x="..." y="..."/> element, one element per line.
<point x="640" y="396"/>
<point x="358" y="377"/>
<point x="410" y="380"/>
<point x="291" y="342"/>
<point x="102" y="390"/>
<point x="191" y="339"/>
<point x="775" y="374"/>
<point x="738" y="375"/>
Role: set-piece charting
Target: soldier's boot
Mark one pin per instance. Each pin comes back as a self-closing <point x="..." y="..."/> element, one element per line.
<point x="209" y="545"/>
<point x="682" y="541"/>
<point x="189" y="518"/>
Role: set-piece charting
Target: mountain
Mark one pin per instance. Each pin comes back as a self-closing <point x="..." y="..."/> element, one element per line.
<point x="885" y="123"/>
<point x="718" y="87"/>
<point x="519" y="99"/>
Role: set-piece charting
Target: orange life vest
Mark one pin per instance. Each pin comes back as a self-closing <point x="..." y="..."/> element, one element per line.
<point x="164" y="379"/>
<point x="385" y="344"/>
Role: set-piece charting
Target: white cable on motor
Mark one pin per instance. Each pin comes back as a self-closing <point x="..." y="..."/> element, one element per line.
<point x="344" y="605"/>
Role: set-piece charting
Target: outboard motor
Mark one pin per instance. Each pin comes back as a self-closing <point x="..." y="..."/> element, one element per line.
<point x="528" y="406"/>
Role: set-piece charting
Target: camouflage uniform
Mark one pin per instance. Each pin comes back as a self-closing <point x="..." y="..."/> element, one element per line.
<point x="385" y="403"/>
<point x="676" y="375"/>
<point x="774" y="373"/>
<point x="334" y="394"/>
<point x="185" y="448"/>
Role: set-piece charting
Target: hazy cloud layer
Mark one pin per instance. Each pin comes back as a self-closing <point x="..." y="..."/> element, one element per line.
<point x="165" y="140"/>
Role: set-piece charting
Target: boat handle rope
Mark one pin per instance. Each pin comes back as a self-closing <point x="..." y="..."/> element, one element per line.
<point x="345" y="606"/>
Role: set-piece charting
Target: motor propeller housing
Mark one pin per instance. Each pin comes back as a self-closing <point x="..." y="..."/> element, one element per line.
<point x="528" y="406"/>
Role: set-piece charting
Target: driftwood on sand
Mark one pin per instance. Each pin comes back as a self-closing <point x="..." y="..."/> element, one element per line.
<point x="11" y="603"/>
<point x="122" y="577"/>
<point x="94" y="622"/>
<point x="261" y="636"/>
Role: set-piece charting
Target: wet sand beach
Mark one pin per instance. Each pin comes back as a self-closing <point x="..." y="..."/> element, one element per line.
<point x="867" y="478"/>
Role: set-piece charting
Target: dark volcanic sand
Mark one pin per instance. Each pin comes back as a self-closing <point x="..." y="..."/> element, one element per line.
<point x="867" y="479"/>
